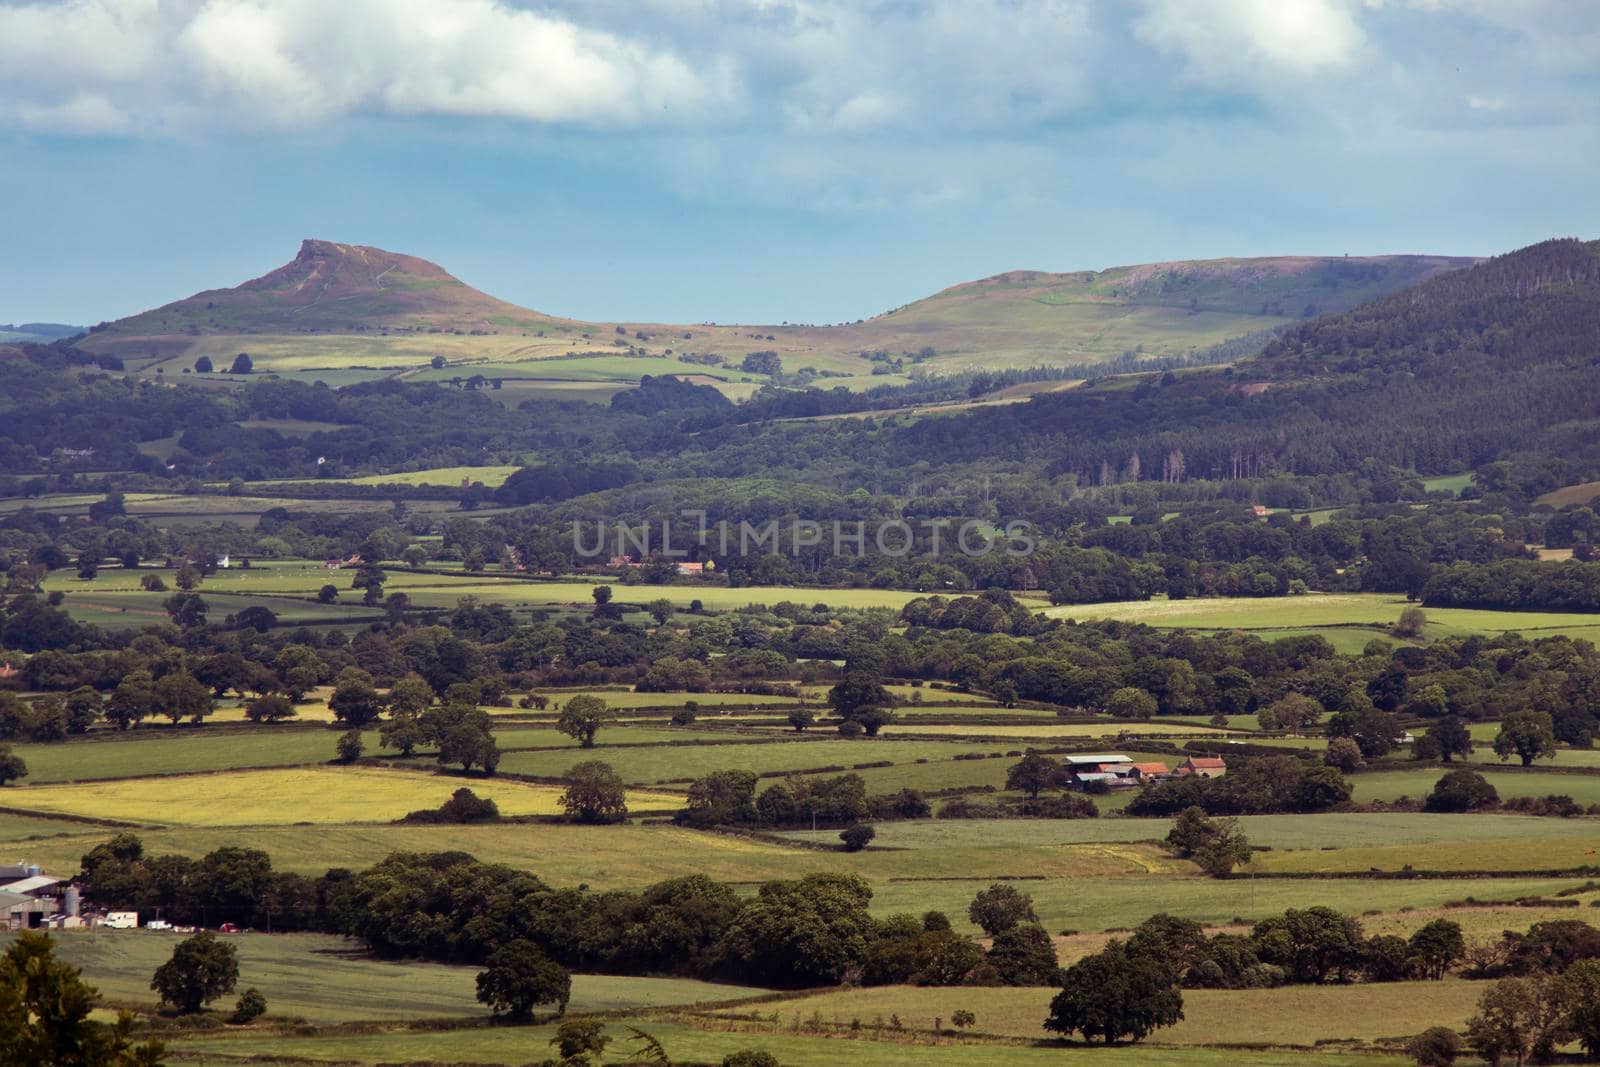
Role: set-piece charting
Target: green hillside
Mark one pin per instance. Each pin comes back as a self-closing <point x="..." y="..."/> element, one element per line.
<point x="340" y="312"/>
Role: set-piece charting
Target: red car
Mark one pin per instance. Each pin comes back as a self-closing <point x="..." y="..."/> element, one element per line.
<point x="228" y="928"/>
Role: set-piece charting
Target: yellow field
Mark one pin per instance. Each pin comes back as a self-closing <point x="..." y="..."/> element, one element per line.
<point x="1291" y="1016"/>
<point x="285" y="797"/>
<point x="1077" y="729"/>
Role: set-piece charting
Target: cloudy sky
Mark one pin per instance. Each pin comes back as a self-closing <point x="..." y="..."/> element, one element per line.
<point x="772" y="160"/>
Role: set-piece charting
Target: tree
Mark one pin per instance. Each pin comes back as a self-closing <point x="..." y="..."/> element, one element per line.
<point x="661" y="610"/>
<point x="1437" y="1046"/>
<point x="517" y="977"/>
<point x="1227" y="848"/>
<point x="1580" y="992"/>
<point x="12" y="767"/>
<point x="1025" y="955"/>
<point x="250" y="1007"/>
<point x="201" y="969"/>
<point x="1131" y="702"/>
<point x="242" y="364"/>
<point x="355" y="701"/>
<point x="1034" y="774"/>
<point x="1343" y="754"/>
<point x="410" y="695"/>
<point x="132" y="700"/>
<point x="272" y="707"/>
<point x="1312" y="944"/>
<point x="403" y="731"/>
<point x="1113" y="995"/>
<point x="1529" y="735"/>
<point x="328" y="594"/>
<point x="1450" y="736"/>
<point x="601" y="595"/>
<point x="181" y="695"/>
<point x="1437" y="945"/>
<point x="595" y="794"/>
<point x="961" y="1019"/>
<point x="467" y="743"/>
<point x="203" y="365"/>
<point x="1216" y="845"/>
<point x="1000" y="907"/>
<point x="44" y="1014"/>
<point x="800" y="718"/>
<point x="255" y="618"/>
<point x="858" y="690"/>
<point x="1377" y="732"/>
<point x="84" y="707"/>
<point x="1517" y="1017"/>
<point x="186" y="610"/>
<point x="582" y="716"/>
<point x="1293" y="712"/>
<point x="806" y="932"/>
<point x="350" y="746"/>
<point x="579" y="1040"/>
<point x="1411" y="622"/>
<point x="1461" y="790"/>
<point x="857" y="837"/>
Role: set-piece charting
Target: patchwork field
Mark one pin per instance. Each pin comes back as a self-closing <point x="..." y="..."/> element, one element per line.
<point x="1319" y="612"/>
<point x="1300" y="1016"/>
<point x="303" y="796"/>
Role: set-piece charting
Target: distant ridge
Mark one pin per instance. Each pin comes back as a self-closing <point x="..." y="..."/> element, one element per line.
<point x="374" y="312"/>
<point x="336" y="288"/>
<point x="1287" y="286"/>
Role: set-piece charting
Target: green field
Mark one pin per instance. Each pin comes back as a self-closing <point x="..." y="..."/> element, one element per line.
<point x="710" y="1042"/>
<point x="1389" y="785"/>
<point x="158" y="750"/>
<point x="644" y="765"/>
<point x="331" y="979"/>
<point x="288" y="587"/>
<point x="1358" y="616"/>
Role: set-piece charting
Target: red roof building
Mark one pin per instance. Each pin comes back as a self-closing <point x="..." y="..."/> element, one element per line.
<point x="1203" y="767"/>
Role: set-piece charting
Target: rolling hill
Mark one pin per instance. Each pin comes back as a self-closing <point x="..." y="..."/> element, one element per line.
<point x="342" y="313"/>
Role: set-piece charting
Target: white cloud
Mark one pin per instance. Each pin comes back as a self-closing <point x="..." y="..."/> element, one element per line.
<point x="1230" y="41"/>
<point x="826" y="72"/>
<point x="293" y="62"/>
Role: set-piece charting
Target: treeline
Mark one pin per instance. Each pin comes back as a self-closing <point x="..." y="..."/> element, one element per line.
<point x="1516" y="585"/>
<point x="1130" y="670"/>
<point x="450" y="908"/>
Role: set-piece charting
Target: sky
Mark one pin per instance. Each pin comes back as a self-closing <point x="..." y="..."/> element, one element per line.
<point x="772" y="160"/>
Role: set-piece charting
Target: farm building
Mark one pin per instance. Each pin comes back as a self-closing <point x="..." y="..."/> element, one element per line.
<point x="1151" y="772"/>
<point x="1110" y="769"/>
<point x="1203" y="767"/>
<point x="28" y="897"/>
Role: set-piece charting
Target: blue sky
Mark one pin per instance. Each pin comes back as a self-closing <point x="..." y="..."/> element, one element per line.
<point x="773" y="160"/>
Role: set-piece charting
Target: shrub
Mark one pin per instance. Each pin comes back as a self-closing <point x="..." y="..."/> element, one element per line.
<point x="251" y="1006"/>
<point x="750" y="1057"/>
<point x="856" y="837"/>
<point x="1462" y="791"/>
<point x="1437" y="1046"/>
<point x="350" y="746"/>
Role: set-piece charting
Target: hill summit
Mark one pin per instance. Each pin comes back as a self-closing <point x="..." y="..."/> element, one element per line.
<point x="336" y="288"/>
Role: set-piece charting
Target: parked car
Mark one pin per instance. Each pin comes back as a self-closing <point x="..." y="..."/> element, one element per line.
<point x="228" y="928"/>
<point x="158" y="924"/>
